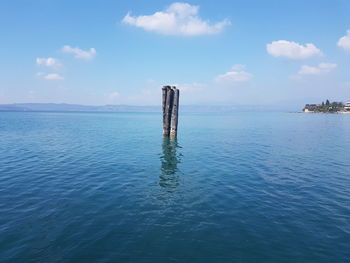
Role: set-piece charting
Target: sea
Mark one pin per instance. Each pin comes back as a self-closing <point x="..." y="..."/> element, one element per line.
<point x="233" y="187"/>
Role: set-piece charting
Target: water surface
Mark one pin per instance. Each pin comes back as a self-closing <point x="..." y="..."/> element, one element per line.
<point x="233" y="187"/>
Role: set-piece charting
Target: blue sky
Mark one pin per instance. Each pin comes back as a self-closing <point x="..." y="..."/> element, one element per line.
<point x="217" y="52"/>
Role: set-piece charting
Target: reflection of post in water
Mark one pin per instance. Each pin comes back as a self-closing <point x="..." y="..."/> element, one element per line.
<point x="169" y="177"/>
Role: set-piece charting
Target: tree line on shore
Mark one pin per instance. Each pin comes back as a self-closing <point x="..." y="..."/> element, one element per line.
<point x="325" y="107"/>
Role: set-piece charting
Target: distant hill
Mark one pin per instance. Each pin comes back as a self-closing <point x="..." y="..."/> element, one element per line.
<point x="75" y="107"/>
<point x="63" y="107"/>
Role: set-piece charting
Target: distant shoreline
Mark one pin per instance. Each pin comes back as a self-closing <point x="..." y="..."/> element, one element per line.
<point x="328" y="107"/>
<point x="338" y="112"/>
<point x="63" y="107"/>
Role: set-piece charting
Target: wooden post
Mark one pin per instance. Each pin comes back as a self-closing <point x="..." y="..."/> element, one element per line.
<point x="170" y="107"/>
<point x="164" y="91"/>
<point x="167" y="111"/>
<point x="174" y="113"/>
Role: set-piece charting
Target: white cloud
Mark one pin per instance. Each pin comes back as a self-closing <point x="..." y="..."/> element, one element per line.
<point x="177" y="19"/>
<point x="48" y="62"/>
<point x="344" y="42"/>
<point x="49" y="76"/>
<point x="322" y="68"/>
<point x="53" y="76"/>
<point x="80" y="53"/>
<point x="308" y="70"/>
<point x="292" y="50"/>
<point x="235" y="76"/>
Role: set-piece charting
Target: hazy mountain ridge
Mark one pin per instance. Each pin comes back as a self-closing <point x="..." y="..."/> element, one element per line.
<point x="76" y="107"/>
<point x="130" y="108"/>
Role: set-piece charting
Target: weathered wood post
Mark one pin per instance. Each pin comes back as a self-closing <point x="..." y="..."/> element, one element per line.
<point x="164" y="91"/>
<point x="174" y="113"/>
<point x="167" y="107"/>
<point x="170" y="102"/>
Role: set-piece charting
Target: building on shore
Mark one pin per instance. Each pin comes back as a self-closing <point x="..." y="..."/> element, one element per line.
<point x="347" y="106"/>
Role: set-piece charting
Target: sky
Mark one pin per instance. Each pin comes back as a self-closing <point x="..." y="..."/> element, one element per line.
<point x="234" y="52"/>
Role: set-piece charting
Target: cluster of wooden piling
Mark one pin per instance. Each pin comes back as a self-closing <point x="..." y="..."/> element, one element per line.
<point x="170" y="110"/>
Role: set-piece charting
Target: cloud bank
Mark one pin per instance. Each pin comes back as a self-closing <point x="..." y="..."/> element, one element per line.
<point x="49" y="76"/>
<point x="178" y="19"/>
<point x="80" y="53"/>
<point x="48" y="62"/>
<point x="344" y="42"/>
<point x="322" y="68"/>
<point x="292" y="50"/>
<point x="236" y="75"/>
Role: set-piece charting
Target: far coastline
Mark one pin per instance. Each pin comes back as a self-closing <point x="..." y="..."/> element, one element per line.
<point x="328" y="107"/>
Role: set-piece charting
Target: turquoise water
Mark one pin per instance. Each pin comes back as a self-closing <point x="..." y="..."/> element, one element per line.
<point x="237" y="187"/>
